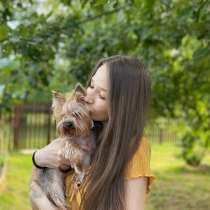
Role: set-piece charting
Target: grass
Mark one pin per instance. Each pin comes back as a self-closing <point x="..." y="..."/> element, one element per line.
<point x="15" y="196"/>
<point x="176" y="187"/>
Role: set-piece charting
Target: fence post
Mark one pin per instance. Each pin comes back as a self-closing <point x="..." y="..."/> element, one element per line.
<point x="16" y="125"/>
<point x="160" y="135"/>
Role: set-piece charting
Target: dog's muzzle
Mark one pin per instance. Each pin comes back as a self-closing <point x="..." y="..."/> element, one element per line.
<point x="68" y="125"/>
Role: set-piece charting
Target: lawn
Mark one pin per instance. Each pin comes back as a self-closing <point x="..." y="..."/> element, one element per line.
<point x="177" y="187"/>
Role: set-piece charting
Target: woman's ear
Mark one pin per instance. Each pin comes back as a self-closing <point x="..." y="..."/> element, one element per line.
<point x="57" y="103"/>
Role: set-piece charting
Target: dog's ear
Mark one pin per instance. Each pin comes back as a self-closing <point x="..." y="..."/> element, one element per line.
<point x="79" y="93"/>
<point x="79" y="89"/>
<point x="57" y="103"/>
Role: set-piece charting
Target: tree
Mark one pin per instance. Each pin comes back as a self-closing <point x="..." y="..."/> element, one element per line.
<point x="53" y="45"/>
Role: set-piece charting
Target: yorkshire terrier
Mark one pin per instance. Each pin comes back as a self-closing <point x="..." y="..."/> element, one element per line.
<point x="74" y="126"/>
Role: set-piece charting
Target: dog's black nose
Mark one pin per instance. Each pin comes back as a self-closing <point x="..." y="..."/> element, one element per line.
<point x="68" y="124"/>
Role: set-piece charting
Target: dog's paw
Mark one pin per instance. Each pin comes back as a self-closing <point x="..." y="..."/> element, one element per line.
<point x="59" y="201"/>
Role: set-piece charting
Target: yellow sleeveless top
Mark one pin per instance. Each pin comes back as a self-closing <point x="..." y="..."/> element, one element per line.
<point x="138" y="166"/>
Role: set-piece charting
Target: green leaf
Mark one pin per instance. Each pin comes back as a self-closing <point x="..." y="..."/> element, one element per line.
<point x="4" y="30"/>
<point x="202" y="52"/>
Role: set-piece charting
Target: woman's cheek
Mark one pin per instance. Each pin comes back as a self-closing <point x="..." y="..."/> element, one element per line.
<point x="98" y="108"/>
<point x="103" y="109"/>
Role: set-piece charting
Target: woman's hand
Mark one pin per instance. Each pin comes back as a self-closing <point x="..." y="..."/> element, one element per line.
<point x="51" y="156"/>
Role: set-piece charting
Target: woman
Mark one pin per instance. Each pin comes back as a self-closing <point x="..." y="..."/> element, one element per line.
<point x="118" y="97"/>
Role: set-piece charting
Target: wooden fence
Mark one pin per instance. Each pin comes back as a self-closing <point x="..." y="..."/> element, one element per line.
<point x="29" y="126"/>
<point x="32" y="126"/>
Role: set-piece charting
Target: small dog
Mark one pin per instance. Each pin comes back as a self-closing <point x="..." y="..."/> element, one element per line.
<point x="47" y="188"/>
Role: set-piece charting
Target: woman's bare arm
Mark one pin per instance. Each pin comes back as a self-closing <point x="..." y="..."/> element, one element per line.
<point x="135" y="193"/>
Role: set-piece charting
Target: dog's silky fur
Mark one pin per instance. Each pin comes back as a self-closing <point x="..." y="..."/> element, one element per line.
<point x="73" y="122"/>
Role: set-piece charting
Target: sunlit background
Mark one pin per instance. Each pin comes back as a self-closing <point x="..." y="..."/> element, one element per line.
<point x="51" y="45"/>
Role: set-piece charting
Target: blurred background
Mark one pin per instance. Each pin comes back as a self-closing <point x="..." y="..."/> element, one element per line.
<point x="51" y="45"/>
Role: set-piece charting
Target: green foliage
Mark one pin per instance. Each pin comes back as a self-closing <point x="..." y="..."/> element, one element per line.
<point x="53" y="44"/>
<point x="193" y="151"/>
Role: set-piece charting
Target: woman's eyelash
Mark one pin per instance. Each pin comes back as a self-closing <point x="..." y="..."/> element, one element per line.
<point x="102" y="97"/>
<point x="99" y="95"/>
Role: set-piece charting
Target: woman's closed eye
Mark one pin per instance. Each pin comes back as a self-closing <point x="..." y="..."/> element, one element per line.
<point x="103" y="98"/>
<point x="100" y="96"/>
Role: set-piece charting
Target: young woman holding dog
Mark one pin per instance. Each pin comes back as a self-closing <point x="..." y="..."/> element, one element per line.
<point x="118" y="97"/>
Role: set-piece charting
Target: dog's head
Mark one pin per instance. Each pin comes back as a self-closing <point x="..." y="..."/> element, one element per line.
<point x="71" y="113"/>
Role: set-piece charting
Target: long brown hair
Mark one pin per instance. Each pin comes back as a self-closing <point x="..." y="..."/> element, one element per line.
<point x="128" y="105"/>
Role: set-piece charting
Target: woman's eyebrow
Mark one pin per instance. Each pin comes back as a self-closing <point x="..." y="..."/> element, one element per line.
<point x="98" y="86"/>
